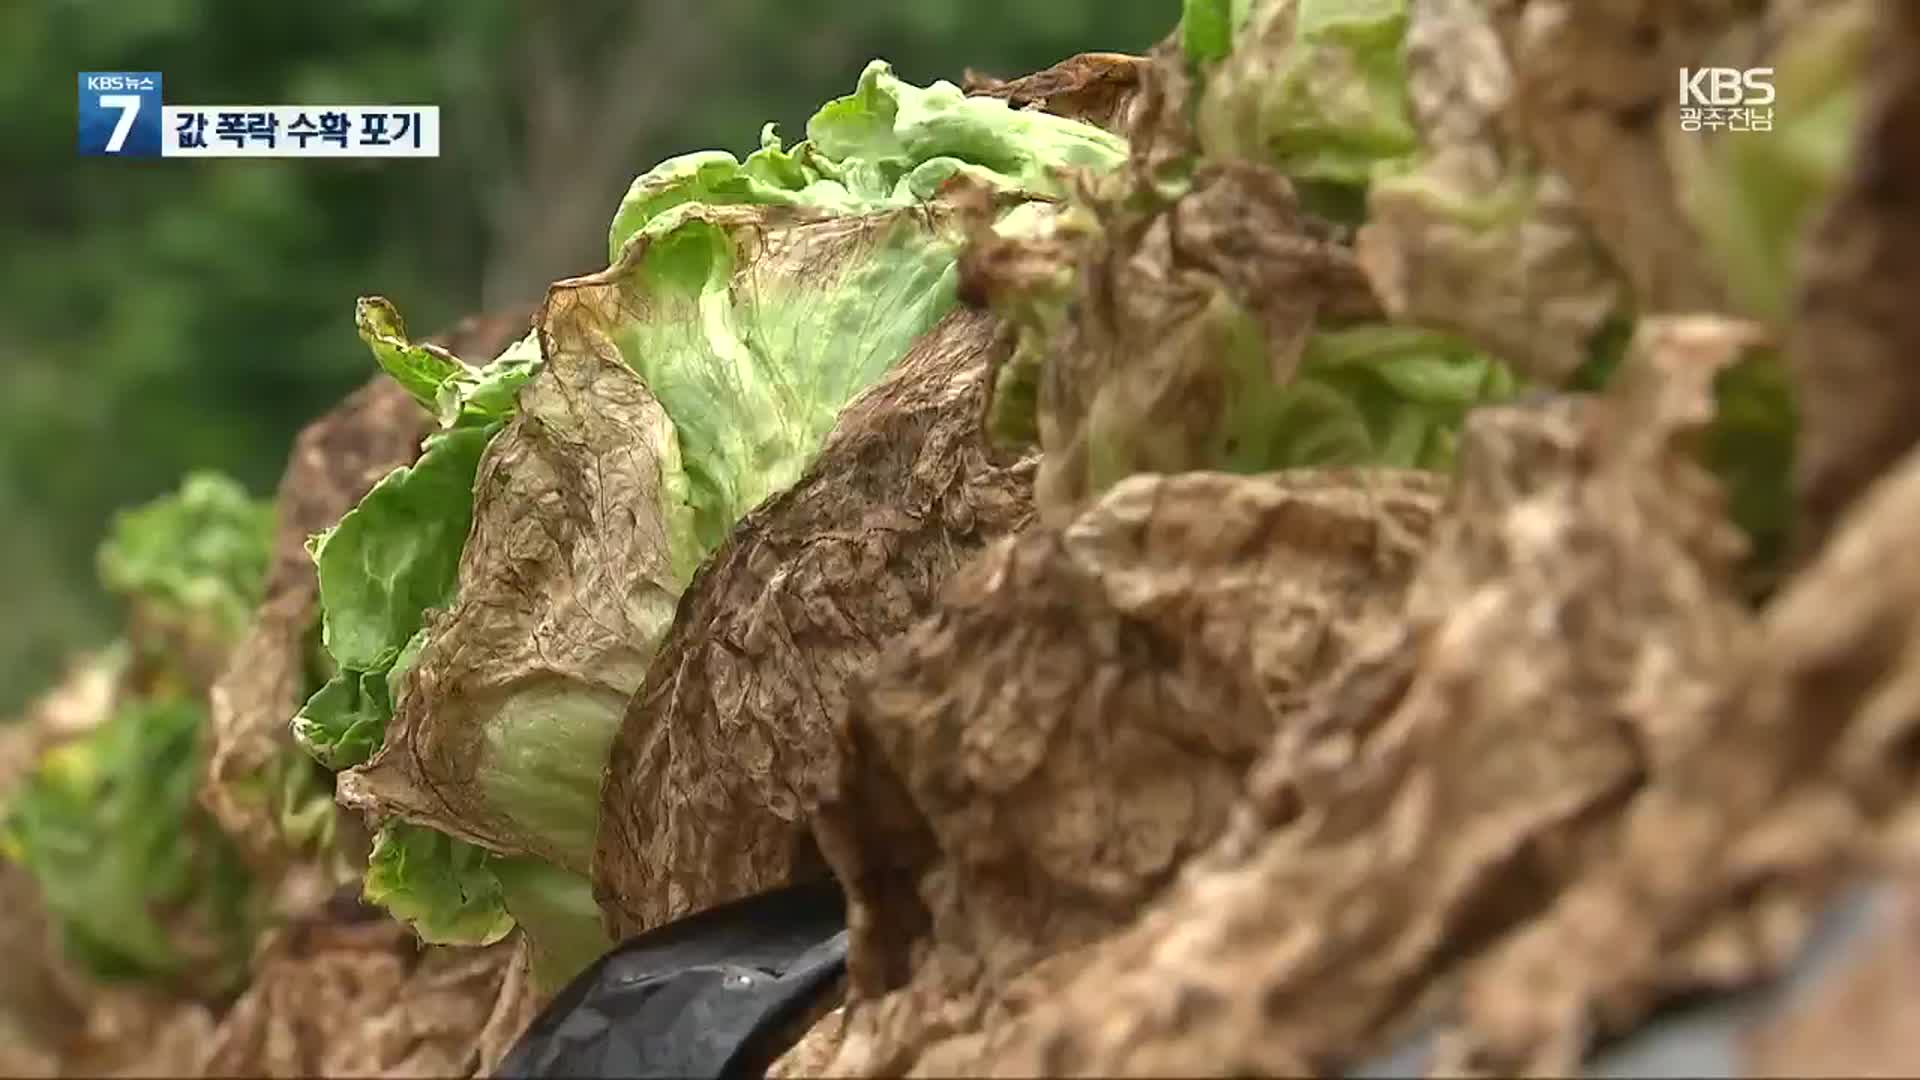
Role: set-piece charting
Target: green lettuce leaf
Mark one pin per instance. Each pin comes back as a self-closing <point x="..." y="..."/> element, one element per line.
<point x="453" y="893"/>
<point x="1206" y="30"/>
<point x="887" y="145"/>
<point x="1375" y="394"/>
<point x="561" y="919"/>
<point x="388" y="562"/>
<point x="1314" y="87"/>
<point x="396" y="554"/>
<point x="445" y="890"/>
<point x="455" y="392"/>
<point x="486" y="394"/>
<point x="753" y="349"/>
<point x="199" y="555"/>
<point x="1750" y="447"/>
<point x="346" y="719"/>
<point x="419" y="369"/>
<point x="140" y="881"/>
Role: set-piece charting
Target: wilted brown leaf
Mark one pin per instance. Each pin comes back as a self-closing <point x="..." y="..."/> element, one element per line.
<point x="703" y="798"/>
<point x="37" y="1014"/>
<point x="365" y="999"/>
<point x="1137" y="317"/>
<point x="814" y="1052"/>
<point x="57" y="1021"/>
<point x="135" y="1033"/>
<point x="1036" y="760"/>
<point x="1800" y="774"/>
<point x="1596" y="97"/>
<point x="1479" y="238"/>
<point x="1096" y="88"/>
<point x="1804" y="772"/>
<point x="566" y="585"/>
<point x="1563" y="637"/>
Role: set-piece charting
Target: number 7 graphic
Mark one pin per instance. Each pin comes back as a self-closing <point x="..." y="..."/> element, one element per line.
<point x="129" y="106"/>
<point x="120" y="115"/>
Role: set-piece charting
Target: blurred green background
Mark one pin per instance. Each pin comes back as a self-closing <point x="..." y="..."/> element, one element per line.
<point x="161" y="316"/>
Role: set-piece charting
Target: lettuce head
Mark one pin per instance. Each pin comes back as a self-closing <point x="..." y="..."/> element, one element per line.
<point x="140" y="882"/>
<point x="1315" y="88"/>
<point x="191" y="566"/>
<point x="490" y="609"/>
<point x="1209" y="325"/>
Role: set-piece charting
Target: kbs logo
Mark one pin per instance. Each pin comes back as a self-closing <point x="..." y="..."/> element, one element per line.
<point x="119" y="114"/>
<point x="1726" y="99"/>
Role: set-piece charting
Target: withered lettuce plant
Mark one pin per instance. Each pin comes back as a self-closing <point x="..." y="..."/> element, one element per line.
<point x="489" y="609"/>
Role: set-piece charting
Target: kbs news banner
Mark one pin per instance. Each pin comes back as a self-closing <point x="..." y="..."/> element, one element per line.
<point x="122" y="115"/>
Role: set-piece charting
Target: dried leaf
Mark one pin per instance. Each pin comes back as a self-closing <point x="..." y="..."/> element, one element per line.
<point x="1799" y="772"/>
<point x="36" y="1009"/>
<point x="1564" y="637"/>
<point x="703" y="798"/>
<point x="815" y="1050"/>
<point x="364" y="999"/>
<point x="1095" y="88"/>
<point x="1477" y="237"/>
<point x="1158" y="338"/>
<point x="1037" y="759"/>
<point x="1594" y="92"/>
<point x="567" y="582"/>
<point x="136" y="1033"/>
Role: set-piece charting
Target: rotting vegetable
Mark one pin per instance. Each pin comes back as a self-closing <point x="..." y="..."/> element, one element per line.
<point x="489" y="608"/>
<point x="1533" y="812"/>
<point x="1205" y="310"/>
<point x="724" y="745"/>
